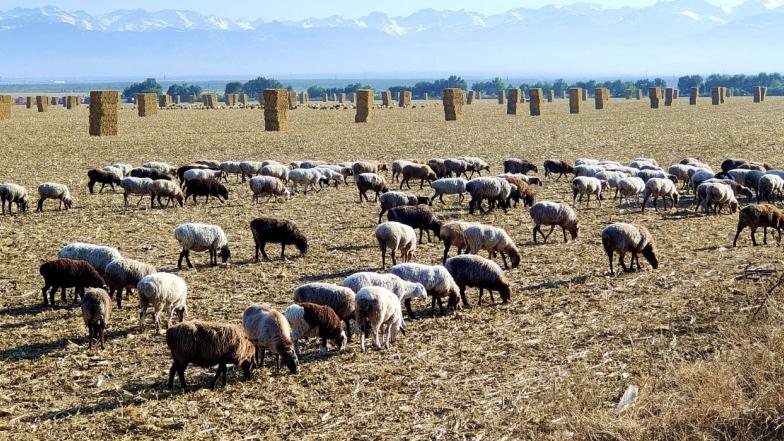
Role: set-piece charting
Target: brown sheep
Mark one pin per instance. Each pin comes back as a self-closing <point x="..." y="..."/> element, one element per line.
<point x="760" y="215"/>
<point x="68" y="273"/>
<point x="417" y="171"/>
<point x="96" y="310"/>
<point x="524" y="192"/>
<point x="553" y="167"/>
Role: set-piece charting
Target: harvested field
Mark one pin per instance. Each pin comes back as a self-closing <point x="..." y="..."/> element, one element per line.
<point x="551" y="364"/>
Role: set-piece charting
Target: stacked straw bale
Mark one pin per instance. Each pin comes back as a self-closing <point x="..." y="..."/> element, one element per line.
<point x="54" y="101"/>
<point x="164" y="101"/>
<point x="639" y="94"/>
<point x="654" y="93"/>
<point x="470" y="97"/>
<point x="669" y="95"/>
<point x="5" y="106"/>
<point x="550" y="96"/>
<point x="585" y="94"/>
<point x="243" y="99"/>
<point x="694" y="93"/>
<point x="341" y="98"/>
<point x="210" y="100"/>
<point x="147" y="104"/>
<point x="405" y="98"/>
<point x="601" y="96"/>
<point x="501" y="97"/>
<point x="716" y="93"/>
<point x="42" y="102"/>
<point x="276" y="106"/>
<point x="537" y="99"/>
<point x="292" y="99"/>
<point x="325" y="98"/>
<point x="386" y="98"/>
<point x="453" y="103"/>
<point x="304" y="98"/>
<point x="364" y="103"/>
<point x="71" y="101"/>
<point x="575" y="98"/>
<point x="675" y="93"/>
<point x="29" y="102"/>
<point x="103" y="112"/>
<point x="177" y="99"/>
<point x="629" y="94"/>
<point x="513" y="99"/>
<point x="230" y="99"/>
<point x="758" y="95"/>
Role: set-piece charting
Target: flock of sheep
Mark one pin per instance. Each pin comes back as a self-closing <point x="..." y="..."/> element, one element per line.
<point x="373" y="300"/>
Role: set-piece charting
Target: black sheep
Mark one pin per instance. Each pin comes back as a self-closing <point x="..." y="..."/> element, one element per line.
<point x="266" y="229"/>
<point x="514" y="165"/>
<point x="144" y="172"/>
<point x="69" y="273"/>
<point x="103" y="177"/>
<point x="205" y="187"/>
<point x="417" y="217"/>
<point x="560" y="168"/>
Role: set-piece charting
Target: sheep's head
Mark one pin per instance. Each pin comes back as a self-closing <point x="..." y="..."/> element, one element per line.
<point x="181" y="311"/>
<point x="733" y="206"/>
<point x="382" y="167"/>
<point x="675" y="198"/>
<point x="514" y="256"/>
<point x="505" y="292"/>
<point x="289" y="358"/>
<point x="301" y="242"/>
<point x="574" y="230"/>
<point x="745" y="191"/>
<point x="534" y="168"/>
<point x="340" y="341"/>
<point x="419" y="291"/>
<point x="223" y="191"/>
<point x="529" y="198"/>
<point x="68" y="202"/>
<point x="180" y="199"/>
<point x="23" y="204"/>
<point x="672" y="178"/>
<point x="649" y="252"/>
<point x="423" y="200"/>
<point x="225" y="253"/>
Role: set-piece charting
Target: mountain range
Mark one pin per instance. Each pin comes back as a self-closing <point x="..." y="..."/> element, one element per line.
<point x="583" y="39"/>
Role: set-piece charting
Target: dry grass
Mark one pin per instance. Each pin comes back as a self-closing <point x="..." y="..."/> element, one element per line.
<point x="552" y="364"/>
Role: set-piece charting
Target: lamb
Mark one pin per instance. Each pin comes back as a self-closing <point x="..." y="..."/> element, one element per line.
<point x="362" y="167"/>
<point x="553" y="167"/>
<point x="417" y="217"/>
<point x="405" y="291"/>
<point x="377" y="307"/>
<point x="475" y="164"/>
<point x="13" y="193"/>
<point x="583" y="185"/>
<point x="769" y="186"/>
<point x="553" y="213"/>
<point x="162" y="290"/>
<point x="456" y="166"/>
<point x="448" y="186"/>
<point x="206" y="344"/>
<point x="151" y="173"/>
<point x="760" y="215"/>
<point x="660" y="188"/>
<point x="514" y="165"/>
<point x="453" y="234"/>
<point x="313" y="320"/>
<point x="96" y="311"/>
<point x="276" y="171"/>
<point x="398" y="238"/>
<point x="520" y="191"/>
<point x="98" y="256"/>
<point x="417" y="171"/>
<point x="632" y="186"/>
<point x="474" y="271"/>
<point x="270" y="331"/>
<point x="438" y="166"/>
<point x="342" y="170"/>
<point x="623" y="238"/>
<point x="160" y="166"/>
<point x="437" y="282"/>
<point x="206" y="187"/>
<point x="397" y="167"/>
<point x="125" y="274"/>
<point x="392" y="199"/>
<point x="166" y="189"/>
<point x="53" y="190"/>
<point x="370" y="181"/>
<point x="492" y="240"/>
<point x="68" y="273"/>
<point x="232" y="168"/>
<point x="137" y="186"/>
<point x="339" y="298"/>
<point x="205" y="174"/>
<point x="496" y="190"/>
<point x="202" y="237"/>
<point x="250" y="168"/>
<point x="330" y="176"/>
<point x="103" y="177"/>
<point x="267" y="185"/>
<point x="284" y="232"/>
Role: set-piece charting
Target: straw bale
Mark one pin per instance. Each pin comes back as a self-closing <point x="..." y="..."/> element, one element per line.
<point x="341" y="98"/>
<point x="425" y="97"/>
<point x="513" y="99"/>
<point x="104" y="105"/>
<point x="501" y="97"/>
<point x="210" y="100"/>
<point x="550" y="96"/>
<point x="164" y="101"/>
<point x="405" y="98"/>
<point x="5" y="106"/>
<point x="470" y="97"/>
<point x="364" y="103"/>
<point x="72" y="101"/>
<point x="537" y="99"/>
<point x="639" y="94"/>
<point x="654" y="93"/>
<point x="276" y="106"/>
<point x="716" y="95"/>
<point x="386" y="98"/>
<point x="453" y="103"/>
<point x="147" y="104"/>
<point x="42" y="102"/>
<point x="230" y="99"/>
<point x="669" y="94"/>
<point x="243" y="98"/>
<point x="575" y="94"/>
<point x="694" y="93"/>
<point x="292" y="99"/>
<point x="585" y="94"/>
<point x="758" y="94"/>
<point x="601" y="96"/>
<point x="304" y="98"/>
<point x="54" y="101"/>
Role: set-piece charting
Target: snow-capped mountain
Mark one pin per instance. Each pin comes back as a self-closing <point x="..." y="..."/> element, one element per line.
<point x="582" y="38"/>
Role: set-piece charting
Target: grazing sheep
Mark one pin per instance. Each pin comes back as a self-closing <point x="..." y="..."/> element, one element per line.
<point x="125" y="274"/>
<point x="640" y="162"/>
<point x="683" y="173"/>
<point x="584" y="185"/>
<point x="587" y="170"/>
<point x="717" y="196"/>
<point x="125" y="168"/>
<point x="731" y="164"/>
<point x="448" y="186"/>
<point x="396" y="237"/>
<point x="150" y="173"/>
<point x="137" y="186"/>
<point x="311" y="164"/>
<point x="13" y="193"/>
<point x="284" y="232"/>
<point x="737" y="189"/>
<point x="205" y="174"/>
<point x="552" y="214"/>
<point x="185" y="168"/>
<point x="760" y="215"/>
<point x="268" y="186"/>
<point x="205" y="187"/>
<point x="211" y="164"/>
<point x="270" y="331"/>
<point x="160" y="166"/>
<point x="475" y="164"/>
<point x="453" y="234"/>
<point x="698" y="176"/>
<point x="647" y="175"/>
<point x="312" y="320"/>
<point x="417" y="217"/>
<point x="330" y="176"/>
<point x="628" y="187"/>
<point x="612" y="178"/>
<point x="53" y="190"/>
<point x="202" y="237"/>
<point x="162" y="290"/>
<point x="206" y="344"/>
<point x="166" y="189"/>
<point x="624" y="238"/>
<point x="417" y="171"/>
<point x="405" y="291"/>
<point x="553" y="167"/>
<point x="660" y="188"/>
<point x="496" y="190"/>
<point x="769" y="186"/>
<point x="492" y="240"/>
<point x="68" y="273"/>
<point x="96" y="310"/>
<point x="475" y="271"/>
<point x="514" y="165"/>
<point x="339" y="298"/>
<point x="98" y="256"/>
<point x="232" y="168"/>
<point x="437" y="282"/>
<point x="392" y="199"/>
<point x="397" y="167"/>
<point x="308" y="177"/>
<point x="377" y="307"/>
<point x="370" y="181"/>
<point x="438" y="166"/>
<point x="103" y="177"/>
<point x="755" y="166"/>
<point x="276" y="171"/>
<point x="520" y="191"/>
<point x="250" y="168"/>
<point x="530" y="180"/>
<point x="456" y="166"/>
<point x="749" y="178"/>
<point x="362" y="167"/>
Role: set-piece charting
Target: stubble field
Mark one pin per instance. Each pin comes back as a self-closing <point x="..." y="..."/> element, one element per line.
<point x="551" y="364"/>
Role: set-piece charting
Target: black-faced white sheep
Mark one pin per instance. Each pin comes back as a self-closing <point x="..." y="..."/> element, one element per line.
<point x="404" y="290"/>
<point x="419" y="218"/>
<point x="370" y="181"/>
<point x="54" y="190"/>
<point x="68" y="273"/>
<point x="162" y="290"/>
<point x="475" y="271"/>
<point x="377" y="307"/>
<point x="250" y="168"/>
<point x="552" y="214"/>
<point x="396" y="237"/>
<point x="125" y="274"/>
<point x="313" y="320"/>
<point x="448" y="186"/>
<point x="631" y="186"/>
<point x="269" y="230"/>
<point x="202" y="237"/>
<point x="760" y="215"/>
<point x="96" y="311"/>
<point x="270" y="331"/>
<point x="492" y="240"/>
<point x="717" y="196"/>
<point x="13" y="193"/>
<point x="339" y="298"/>
<point x="268" y="186"/>
<point x="629" y="238"/>
<point x="660" y="188"/>
<point x="205" y="174"/>
<point x="435" y="278"/>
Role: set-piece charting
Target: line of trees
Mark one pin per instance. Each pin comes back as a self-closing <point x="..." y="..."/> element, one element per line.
<point x="741" y="84"/>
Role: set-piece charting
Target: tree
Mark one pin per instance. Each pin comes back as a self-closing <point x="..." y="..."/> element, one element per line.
<point x="147" y="86"/>
<point x="184" y="91"/>
<point x="489" y="87"/>
<point x="316" y="91"/>
<point x="685" y="83"/>
<point x="233" y="87"/>
<point x="255" y="87"/>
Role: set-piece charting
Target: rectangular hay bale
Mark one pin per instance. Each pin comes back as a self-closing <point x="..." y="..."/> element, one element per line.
<point x="694" y="93"/>
<point x="716" y="93"/>
<point x="276" y="107"/>
<point x="147" y="104"/>
<point x="104" y="105"/>
<point x="5" y="106"/>
<point x="550" y="96"/>
<point x="575" y="98"/>
<point x="42" y="103"/>
<point x="513" y="99"/>
<point x="405" y="98"/>
<point x="654" y="93"/>
<point x="501" y="97"/>
<point x="386" y="98"/>
<point x="537" y="99"/>
<point x="601" y="96"/>
<point x="364" y="103"/>
<point x="452" y="99"/>
<point x="669" y="94"/>
<point x="585" y="94"/>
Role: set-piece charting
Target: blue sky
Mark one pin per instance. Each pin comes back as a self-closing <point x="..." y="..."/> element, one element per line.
<point x="298" y="9"/>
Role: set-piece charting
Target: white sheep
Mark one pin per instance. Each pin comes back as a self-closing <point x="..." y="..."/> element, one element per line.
<point x="647" y="175"/>
<point x="307" y="177"/>
<point x="716" y="195"/>
<point x="392" y="199"/>
<point x="698" y="176"/>
<point x="683" y="173"/>
<point x="493" y="240"/>
<point x="396" y="237"/>
<point x="584" y="185"/>
<point x="475" y="164"/>
<point x="587" y="170"/>
<point x="54" y="190"/>
<point x="13" y="193"/>
<point x="126" y="168"/>
<point x="202" y="237"/>
<point x="161" y="188"/>
<point x="631" y="186"/>
<point x="404" y="290"/>
<point x="552" y="214"/>
<point x="98" y="256"/>
<point x="377" y="307"/>
<point x="162" y="290"/>
<point x="330" y="176"/>
<point x="137" y="186"/>
<point x="268" y="186"/>
<point x="769" y="186"/>
<point x="160" y="166"/>
<point x="125" y="274"/>
<point x="276" y="171"/>
<point x="623" y="238"/>
<point x="435" y="278"/>
<point x="269" y="330"/>
<point x="449" y="186"/>
<point x="660" y="188"/>
<point x="202" y="173"/>
<point x="250" y="168"/>
<point x="231" y="168"/>
<point x="612" y="178"/>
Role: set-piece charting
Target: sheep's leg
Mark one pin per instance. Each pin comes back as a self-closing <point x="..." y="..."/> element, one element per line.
<point x="91" y="331"/>
<point x="609" y="253"/>
<point x="394" y="259"/>
<point x="348" y="329"/>
<point x="433" y="307"/>
<point x="481" y="291"/>
<point x="375" y="199"/>
<point x="388" y="341"/>
<point x="140" y="201"/>
<point x="383" y="247"/>
<point x="221" y="368"/>
<point x="43" y="294"/>
<point x="377" y="336"/>
<point x="447" y="246"/>
<point x="421" y="184"/>
<point x="429" y="240"/>
<point x="102" y="333"/>
<point x="621" y="256"/>
<point x="420" y="236"/>
<point x="552" y="227"/>
<point x="463" y="296"/>
<point x="362" y="341"/>
<point x="764" y="235"/>
<point x="62" y="295"/>
<point x="174" y="368"/>
<point x="409" y="311"/>
<point x="283" y="251"/>
<point x="440" y="305"/>
<point x="753" y="238"/>
<point x="741" y="226"/>
<point x="492" y="298"/>
<point x="264" y="251"/>
<point x="503" y="257"/>
<point x="537" y="229"/>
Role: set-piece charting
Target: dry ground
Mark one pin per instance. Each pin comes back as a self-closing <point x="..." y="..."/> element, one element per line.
<point x="551" y="364"/>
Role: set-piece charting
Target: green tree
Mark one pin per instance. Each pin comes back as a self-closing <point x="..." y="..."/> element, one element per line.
<point x="233" y="87"/>
<point x="685" y="83"/>
<point x="147" y="86"/>
<point x="316" y="91"/>
<point x="256" y="86"/>
<point x="184" y="91"/>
